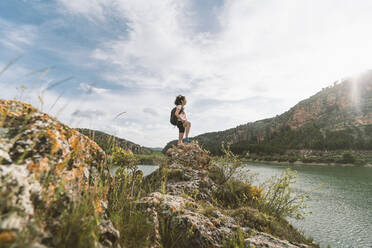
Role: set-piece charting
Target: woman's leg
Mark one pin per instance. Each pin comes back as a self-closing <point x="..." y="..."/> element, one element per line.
<point x="188" y="126"/>
<point x="181" y="131"/>
<point x="180" y="137"/>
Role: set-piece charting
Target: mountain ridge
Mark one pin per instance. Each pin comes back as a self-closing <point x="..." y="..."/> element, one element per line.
<point x="337" y="117"/>
<point x="107" y="141"/>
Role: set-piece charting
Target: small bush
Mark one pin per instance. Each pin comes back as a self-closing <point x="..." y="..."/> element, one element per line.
<point x="278" y="227"/>
<point x="154" y="158"/>
<point x="123" y="158"/>
<point x="292" y="159"/>
<point x="348" y="158"/>
<point x="127" y="216"/>
<point x="229" y="166"/>
<point x="78" y="225"/>
<point x="236" y="194"/>
<point x="236" y="240"/>
<point x="280" y="199"/>
<point x="174" y="235"/>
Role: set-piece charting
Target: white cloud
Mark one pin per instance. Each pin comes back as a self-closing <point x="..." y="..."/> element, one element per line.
<point x="17" y="36"/>
<point x="264" y="57"/>
<point x="92" y="9"/>
<point x="150" y="111"/>
<point x="91" y="89"/>
<point x="89" y="114"/>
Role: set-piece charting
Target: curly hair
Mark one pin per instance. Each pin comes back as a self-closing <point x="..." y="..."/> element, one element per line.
<point x="179" y="100"/>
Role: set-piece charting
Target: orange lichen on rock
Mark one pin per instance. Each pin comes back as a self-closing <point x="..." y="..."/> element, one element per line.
<point x="49" y="159"/>
<point x="97" y="205"/>
<point x="7" y="237"/>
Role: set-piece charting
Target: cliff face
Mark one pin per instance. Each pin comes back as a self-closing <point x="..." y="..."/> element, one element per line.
<point x="348" y="103"/>
<point x="346" y="106"/>
<point x="44" y="166"/>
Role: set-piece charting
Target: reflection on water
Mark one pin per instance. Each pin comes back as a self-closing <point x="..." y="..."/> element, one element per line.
<point x="146" y="169"/>
<point x="341" y="209"/>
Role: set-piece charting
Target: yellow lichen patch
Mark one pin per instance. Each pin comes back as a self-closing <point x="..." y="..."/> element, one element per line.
<point x="76" y="143"/>
<point x="97" y="205"/>
<point x="44" y="164"/>
<point x="74" y="173"/>
<point x="53" y="139"/>
<point x="7" y="237"/>
<point x="51" y="191"/>
<point x="60" y="166"/>
<point x="32" y="166"/>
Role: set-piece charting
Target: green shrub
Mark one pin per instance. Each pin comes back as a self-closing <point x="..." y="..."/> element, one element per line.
<point x="236" y="240"/>
<point x="236" y="194"/>
<point x="174" y="235"/>
<point x="348" y="158"/>
<point x="262" y="222"/>
<point x="127" y="216"/>
<point x="123" y="158"/>
<point x="229" y="165"/>
<point x="292" y="159"/>
<point x="154" y="158"/>
<point x="280" y="199"/>
<point x="78" y="225"/>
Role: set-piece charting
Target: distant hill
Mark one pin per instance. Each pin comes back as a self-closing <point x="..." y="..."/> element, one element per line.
<point x="156" y="148"/>
<point x="337" y="117"/>
<point x="106" y="141"/>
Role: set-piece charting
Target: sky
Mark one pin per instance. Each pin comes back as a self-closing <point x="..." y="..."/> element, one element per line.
<point x="236" y="61"/>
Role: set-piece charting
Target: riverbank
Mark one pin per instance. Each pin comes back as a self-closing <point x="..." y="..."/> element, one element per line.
<point x="357" y="158"/>
<point x="304" y="164"/>
<point x="340" y="208"/>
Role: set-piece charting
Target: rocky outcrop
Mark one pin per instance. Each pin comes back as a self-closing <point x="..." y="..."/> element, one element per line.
<point x="187" y="208"/>
<point x="264" y="240"/>
<point x="40" y="159"/>
<point x="189" y="154"/>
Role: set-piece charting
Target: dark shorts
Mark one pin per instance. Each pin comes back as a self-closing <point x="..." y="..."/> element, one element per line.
<point x="180" y="126"/>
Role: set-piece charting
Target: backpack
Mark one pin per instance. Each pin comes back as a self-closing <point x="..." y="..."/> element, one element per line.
<point x="173" y="117"/>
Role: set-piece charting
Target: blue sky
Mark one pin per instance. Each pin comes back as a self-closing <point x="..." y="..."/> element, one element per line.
<point x="235" y="60"/>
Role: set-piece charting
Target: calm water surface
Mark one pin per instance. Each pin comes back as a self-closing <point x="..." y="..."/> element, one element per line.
<point x="341" y="209"/>
<point x="146" y="169"/>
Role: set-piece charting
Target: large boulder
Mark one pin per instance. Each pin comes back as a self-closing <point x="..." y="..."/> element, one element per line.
<point x="189" y="154"/>
<point x="45" y="166"/>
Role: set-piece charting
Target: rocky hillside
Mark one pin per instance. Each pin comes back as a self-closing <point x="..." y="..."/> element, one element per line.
<point x="200" y="212"/>
<point x="338" y="117"/>
<point x="107" y="141"/>
<point x="56" y="191"/>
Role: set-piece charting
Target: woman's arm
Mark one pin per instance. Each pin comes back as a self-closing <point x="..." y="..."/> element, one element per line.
<point x="177" y="113"/>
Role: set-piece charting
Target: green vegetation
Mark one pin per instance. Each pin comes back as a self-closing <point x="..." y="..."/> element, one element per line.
<point x="107" y="142"/>
<point x="262" y="208"/>
<point x="236" y="240"/>
<point x="78" y="225"/>
<point x="280" y="199"/>
<point x="153" y="158"/>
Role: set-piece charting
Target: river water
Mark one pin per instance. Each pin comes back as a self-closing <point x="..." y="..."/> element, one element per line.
<point x="341" y="208"/>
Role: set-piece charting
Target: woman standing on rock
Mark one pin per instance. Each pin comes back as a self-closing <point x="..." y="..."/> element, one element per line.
<point x="182" y="122"/>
